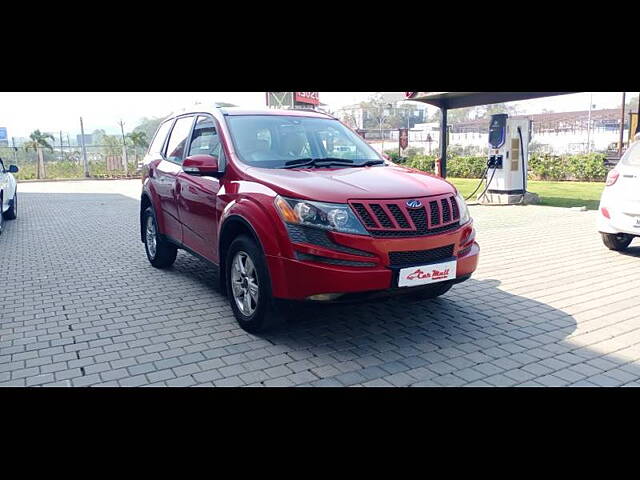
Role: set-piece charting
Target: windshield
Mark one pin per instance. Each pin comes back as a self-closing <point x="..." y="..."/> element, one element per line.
<point x="632" y="156"/>
<point x="278" y="141"/>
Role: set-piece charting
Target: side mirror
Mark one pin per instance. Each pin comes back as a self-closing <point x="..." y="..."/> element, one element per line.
<point x="201" y="165"/>
<point x="13" y="169"/>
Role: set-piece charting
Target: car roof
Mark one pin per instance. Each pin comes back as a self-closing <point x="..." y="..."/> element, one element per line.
<point x="234" y="111"/>
<point x="273" y="111"/>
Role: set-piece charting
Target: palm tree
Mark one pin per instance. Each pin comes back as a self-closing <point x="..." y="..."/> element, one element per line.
<point x="37" y="143"/>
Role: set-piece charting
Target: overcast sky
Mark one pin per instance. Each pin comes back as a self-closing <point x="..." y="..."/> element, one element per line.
<point x="23" y="112"/>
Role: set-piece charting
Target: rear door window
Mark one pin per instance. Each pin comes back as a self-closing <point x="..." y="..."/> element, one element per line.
<point x="158" y="140"/>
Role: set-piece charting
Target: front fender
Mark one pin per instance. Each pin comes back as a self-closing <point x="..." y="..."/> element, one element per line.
<point x="261" y="218"/>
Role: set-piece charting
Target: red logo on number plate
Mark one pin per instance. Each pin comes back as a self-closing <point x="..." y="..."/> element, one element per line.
<point x="435" y="274"/>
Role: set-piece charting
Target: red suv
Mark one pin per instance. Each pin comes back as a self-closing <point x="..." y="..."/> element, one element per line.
<point x="294" y="205"/>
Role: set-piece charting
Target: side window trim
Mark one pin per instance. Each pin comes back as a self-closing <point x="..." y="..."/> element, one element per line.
<point x="163" y="148"/>
<point x="166" y="141"/>
<point x="171" y="121"/>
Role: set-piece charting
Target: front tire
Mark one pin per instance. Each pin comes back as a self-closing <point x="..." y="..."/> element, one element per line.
<point x="616" y="241"/>
<point x="249" y="286"/>
<point x="161" y="253"/>
<point x="12" y="213"/>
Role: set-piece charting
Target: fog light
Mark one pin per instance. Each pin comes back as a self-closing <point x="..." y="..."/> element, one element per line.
<point x="324" y="297"/>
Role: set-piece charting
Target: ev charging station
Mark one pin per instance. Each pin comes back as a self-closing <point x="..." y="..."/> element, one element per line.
<point x="507" y="163"/>
<point x="505" y="177"/>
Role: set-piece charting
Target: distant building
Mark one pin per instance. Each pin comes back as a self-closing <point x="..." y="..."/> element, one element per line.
<point x="395" y="104"/>
<point x="88" y="139"/>
<point x="558" y="133"/>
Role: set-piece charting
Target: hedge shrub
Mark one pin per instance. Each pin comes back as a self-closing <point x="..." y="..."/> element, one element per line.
<point x="542" y="166"/>
<point x="466" y="167"/>
<point x="587" y="167"/>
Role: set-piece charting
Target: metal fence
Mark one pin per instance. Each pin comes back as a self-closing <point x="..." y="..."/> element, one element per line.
<point x="66" y="161"/>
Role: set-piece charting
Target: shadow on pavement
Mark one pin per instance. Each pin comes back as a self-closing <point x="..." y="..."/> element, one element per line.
<point x="82" y="253"/>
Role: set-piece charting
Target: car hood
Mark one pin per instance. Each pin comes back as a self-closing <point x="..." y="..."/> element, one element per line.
<point x="339" y="185"/>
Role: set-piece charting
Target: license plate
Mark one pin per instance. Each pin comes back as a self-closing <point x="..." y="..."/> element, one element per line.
<point x="425" y="274"/>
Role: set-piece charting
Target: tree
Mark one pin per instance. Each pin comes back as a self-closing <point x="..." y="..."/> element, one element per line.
<point x="38" y="143"/>
<point x="148" y="126"/>
<point x="379" y="113"/>
<point x="455" y="115"/>
<point x="349" y="118"/>
<point x="138" y="139"/>
<point x="97" y="137"/>
<point x="485" y="111"/>
<point x="112" y="145"/>
<point x="631" y="104"/>
<point x="459" y="115"/>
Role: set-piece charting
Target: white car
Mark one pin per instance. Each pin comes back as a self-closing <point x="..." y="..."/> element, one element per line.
<point x="619" y="211"/>
<point x="8" y="194"/>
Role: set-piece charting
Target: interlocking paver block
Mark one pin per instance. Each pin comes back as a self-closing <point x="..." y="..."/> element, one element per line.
<point x="81" y="311"/>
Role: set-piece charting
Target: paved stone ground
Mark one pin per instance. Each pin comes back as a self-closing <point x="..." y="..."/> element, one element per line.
<point x="80" y="305"/>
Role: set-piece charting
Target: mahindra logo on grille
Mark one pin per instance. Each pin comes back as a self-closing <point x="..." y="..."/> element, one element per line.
<point x="414" y="204"/>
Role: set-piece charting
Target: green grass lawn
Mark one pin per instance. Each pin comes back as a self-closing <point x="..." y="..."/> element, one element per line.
<point x="554" y="194"/>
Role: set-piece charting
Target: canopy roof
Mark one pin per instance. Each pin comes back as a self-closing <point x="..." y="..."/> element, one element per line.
<point x="471" y="99"/>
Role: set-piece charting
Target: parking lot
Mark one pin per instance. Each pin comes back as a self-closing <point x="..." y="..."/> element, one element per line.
<point x="80" y="305"/>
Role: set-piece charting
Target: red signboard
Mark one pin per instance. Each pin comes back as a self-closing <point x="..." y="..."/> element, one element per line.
<point x="404" y="138"/>
<point x="308" y="97"/>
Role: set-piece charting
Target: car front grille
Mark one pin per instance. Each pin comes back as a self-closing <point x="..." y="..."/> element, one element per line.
<point x="420" y="257"/>
<point x="394" y="218"/>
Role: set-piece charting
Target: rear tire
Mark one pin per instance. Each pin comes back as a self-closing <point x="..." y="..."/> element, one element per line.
<point x="433" y="291"/>
<point x="617" y="241"/>
<point x="12" y="213"/>
<point x="160" y="252"/>
<point x="249" y="287"/>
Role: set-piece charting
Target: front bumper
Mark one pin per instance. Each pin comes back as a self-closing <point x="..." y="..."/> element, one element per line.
<point x="295" y="279"/>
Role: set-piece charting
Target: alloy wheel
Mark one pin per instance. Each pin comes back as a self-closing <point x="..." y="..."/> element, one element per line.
<point x="151" y="237"/>
<point x="244" y="283"/>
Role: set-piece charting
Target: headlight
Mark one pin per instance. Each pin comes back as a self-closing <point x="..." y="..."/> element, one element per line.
<point x="464" y="211"/>
<point x="329" y="216"/>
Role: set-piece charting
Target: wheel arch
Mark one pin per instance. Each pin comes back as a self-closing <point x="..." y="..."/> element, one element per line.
<point x="145" y="202"/>
<point x="233" y="226"/>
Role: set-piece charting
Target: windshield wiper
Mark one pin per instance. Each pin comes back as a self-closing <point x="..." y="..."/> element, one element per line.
<point x="369" y="163"/>
<point x="317" y="162"/>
